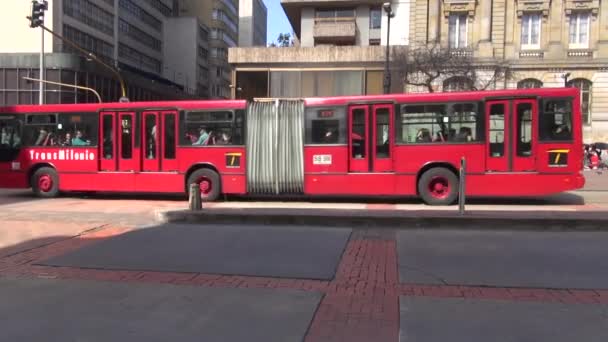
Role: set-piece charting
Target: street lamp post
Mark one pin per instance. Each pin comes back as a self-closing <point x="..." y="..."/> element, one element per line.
<point x="565" y="77"/>
<point x="387" y="74"/>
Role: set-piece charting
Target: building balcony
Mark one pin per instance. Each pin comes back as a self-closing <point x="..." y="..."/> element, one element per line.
<point x="532" y="54"/>
<point x="341" y="55"/>
<point x="580" y="53"/>
<point x="461" y="52"/>
<point x="335" y="30"/>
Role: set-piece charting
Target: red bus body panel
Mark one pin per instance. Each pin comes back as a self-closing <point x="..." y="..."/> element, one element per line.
<point x="82" y="169"/>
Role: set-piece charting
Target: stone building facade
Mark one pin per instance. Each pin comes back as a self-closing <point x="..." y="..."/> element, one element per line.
<point x="547" y="43"/>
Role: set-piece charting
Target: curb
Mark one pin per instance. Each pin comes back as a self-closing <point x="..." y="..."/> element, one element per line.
<point x="425" y="219"/>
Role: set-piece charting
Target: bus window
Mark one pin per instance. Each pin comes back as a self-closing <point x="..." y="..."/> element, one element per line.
<point x="326" y="125"/>
<point x="77" y="129"/>
<point x="169" y="136"/>
<point x="358" y="135"/>
<point x="422" y="123"/>
<point x="127" y="137"/>
<point x="108" y="137"/>
<point x="555" y="122"/>
<point x="382" y="133"/>
<point x="10" y="137"/>
<point x="206" y="128"/>
<point x="524" y="129"/>
<point x="497" y="130"/>
<point x="464" y="123"/>
<point x="151" y="136"/>
<point x="41" y="130"/>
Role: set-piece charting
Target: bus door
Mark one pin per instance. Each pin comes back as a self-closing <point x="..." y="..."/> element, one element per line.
<point x="159" y="141"/>
<point x="511" y="139"/>
<point x="370" y="138"/>
<point x="117" y="148"/>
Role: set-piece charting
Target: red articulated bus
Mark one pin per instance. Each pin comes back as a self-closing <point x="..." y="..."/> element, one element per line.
<point x="524" y="142"/>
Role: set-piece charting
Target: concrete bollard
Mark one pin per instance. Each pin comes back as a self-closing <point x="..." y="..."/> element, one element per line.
<point x="195" y="197"/>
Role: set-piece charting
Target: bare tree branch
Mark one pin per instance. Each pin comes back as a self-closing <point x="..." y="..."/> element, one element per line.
<point x="423" y="65"/>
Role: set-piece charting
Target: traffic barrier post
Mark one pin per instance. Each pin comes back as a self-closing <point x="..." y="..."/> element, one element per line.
<point x="461" y="186"/>
<point x="195" y="197"/>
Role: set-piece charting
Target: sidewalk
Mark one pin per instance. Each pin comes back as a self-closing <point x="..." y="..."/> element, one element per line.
<point x="580" y="217"/>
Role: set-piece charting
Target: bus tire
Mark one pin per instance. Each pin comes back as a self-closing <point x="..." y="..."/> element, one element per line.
<point x="45" y="182"/>
<point x="209" y="182"/>
<point x="438" y="186"/>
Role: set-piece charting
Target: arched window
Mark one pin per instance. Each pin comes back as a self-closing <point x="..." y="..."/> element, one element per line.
<point x="457" y="83"/>
<point x="584" y="86"/>
<point x="529" y="83"/>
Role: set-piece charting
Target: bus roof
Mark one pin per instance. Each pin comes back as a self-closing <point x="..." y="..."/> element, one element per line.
<point x="311" y="101"/>
<point x="443" y="96"/>
<point x="114" y="106"/>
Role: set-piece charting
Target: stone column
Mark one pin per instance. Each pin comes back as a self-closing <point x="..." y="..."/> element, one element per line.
<point x="558" y="22"/>
<point x="485" y="22"/>
<point x="434" y="20"/>
<point x="603" y="26"/>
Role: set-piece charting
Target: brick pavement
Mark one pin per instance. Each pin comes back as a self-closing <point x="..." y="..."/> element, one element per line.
<point x="360" y="304"/>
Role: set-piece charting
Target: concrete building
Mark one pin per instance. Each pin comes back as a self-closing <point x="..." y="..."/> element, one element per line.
<point x="252" y="23"/>
<point x="187" y="54"/>
<point x="125" y="33"/>
<point x="339" y="52"/>
<point x="222" y="19"/>
<point x="542" y="40"/>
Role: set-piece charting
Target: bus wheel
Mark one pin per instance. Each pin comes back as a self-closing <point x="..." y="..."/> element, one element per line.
<point x="438" y="186"/>
<point x="45" y="182"/>
<point x="209" y="183"/>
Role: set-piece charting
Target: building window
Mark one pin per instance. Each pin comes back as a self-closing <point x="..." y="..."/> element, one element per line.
<point x="457" y="30"/>
<point x="579" y="30"/>
<point x="584" y="86"/>
<point x="457" y="83"/>
<point x="529" y="83"/>
<point x="90" y="14"/>
<point x="530" y="31"/>
<point x="375" y="18"/>
<point x="335" y="14"/>
<point x="132" y="8"/>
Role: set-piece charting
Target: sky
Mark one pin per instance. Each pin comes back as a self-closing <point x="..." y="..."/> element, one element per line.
<point x="277" y="21"/>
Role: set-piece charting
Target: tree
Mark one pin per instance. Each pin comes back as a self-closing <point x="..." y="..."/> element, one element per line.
<point x="283" y="40"/>
<point x="425" y="65"/>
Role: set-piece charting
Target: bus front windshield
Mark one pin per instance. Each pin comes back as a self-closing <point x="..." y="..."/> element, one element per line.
<point x="10" y="137"/>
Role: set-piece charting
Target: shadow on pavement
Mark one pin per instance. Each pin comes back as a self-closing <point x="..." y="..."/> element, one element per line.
<point x="13" y="197"/>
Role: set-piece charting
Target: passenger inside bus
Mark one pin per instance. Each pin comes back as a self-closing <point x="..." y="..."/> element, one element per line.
<point x="561" y="132"/>
<point x="423" y="135"/>
<point x="223" y="139"/>
<point x="68" y="140"/>
<point x="203" y="137"/>
<point x="329" y="137"/>
<point x="79" y="140"/>
<point x="9" y="138"/>
<point x="464" y="135"/>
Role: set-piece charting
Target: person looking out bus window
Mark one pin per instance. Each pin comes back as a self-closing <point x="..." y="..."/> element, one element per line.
<point x="202" y="139"/>
<point x="68" y="140"/>
<point x="79" y="141"/>
<point x="42" y="135"/>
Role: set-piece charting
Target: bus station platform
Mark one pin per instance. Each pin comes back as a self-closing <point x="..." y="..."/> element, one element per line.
<point x="527" y="216"/>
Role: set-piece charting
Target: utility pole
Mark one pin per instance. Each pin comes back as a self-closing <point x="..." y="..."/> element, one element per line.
<point x="37" y="20"/>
